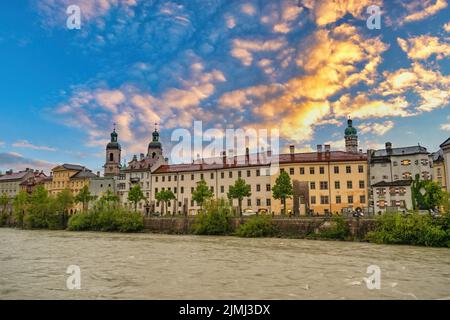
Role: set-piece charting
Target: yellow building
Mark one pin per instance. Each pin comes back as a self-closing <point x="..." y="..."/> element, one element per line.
<point x="325" y="182"/>
<point x="439" y="172"/>
<point x="71" y="177"/>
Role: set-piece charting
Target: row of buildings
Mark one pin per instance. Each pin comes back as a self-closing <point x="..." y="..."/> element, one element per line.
<point x="324" y="181"/>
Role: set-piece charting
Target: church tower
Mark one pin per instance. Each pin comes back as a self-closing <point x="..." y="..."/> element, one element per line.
<point x="351" y="138"/>
<point x="155" y="147"/>
<point x="113" y="154"/>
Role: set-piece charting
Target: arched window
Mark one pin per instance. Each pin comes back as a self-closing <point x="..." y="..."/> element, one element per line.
<point x="111" y="157"/>
<point x="153" y="155"/>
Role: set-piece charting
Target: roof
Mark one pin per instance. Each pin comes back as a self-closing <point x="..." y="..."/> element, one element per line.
<point x="398" y="183"/>
<point x="217" y="163"/>
<point x="400" y="151"/>
<point x="446" y="143"/>
<point x="69" y="166"/>
<point x="84" y="174"/>
<point x="438" y="156"/>
<point x="15" y="176"/>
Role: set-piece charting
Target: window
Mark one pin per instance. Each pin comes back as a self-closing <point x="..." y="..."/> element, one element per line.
<point x="268" y="202"/>
<point x="323" y="199"/>
<point x="212" y="175"/>
<point x="169" y="178"/>
<point x="337" y="184"/>
<point x="192" y="177"/>
<point x="406" y="175"/>
<point x="323" y="185"/>
<point x="349" y="184"/>
<point x="350" y="199"/>
<point x="222" y="175"/>
<point x="258" y="173"/>
<point x="249" y="173"/>
<point x="312" y="185"/>
<point x="258" y="187"/>
<point x="230" y="174"/>
<point x="175" y="178"/>
<point x="163" y="178"/>
<point x="338" y="199"/>
<point x="291" y="171"/>
<point x="322" y="170"/>
<point x="201" y="176"/>
<point x="222" y="189"/>
<point x="361" y="169"/>
<point x="192" y="189"/>
<point x="212" y="189"/>
<point x="249" y="202"/>
<point x="239" y="174"/>
<point x="348" y="169"/>
<point x="395" y="163"/>
<point x="268" y="187"/>
<point x="258" y="202"/>
<point x="362" y="199"/>
<point x="182" y="177"/>
<point x="336" y="169"/>
<point x="311" y="170"/>
<point x="182" y="189"/>
<point x="156" y="191"/>
<point x="111" y="157"/>
<point x="313" y="199"/>
<point x="192" y="203"/>
<point x="156" y="179"/>
<point x="175" y="190"/>
<point x="302" y="170"/>
<point x="361" y="184"/>
<point x="406" y="162"/>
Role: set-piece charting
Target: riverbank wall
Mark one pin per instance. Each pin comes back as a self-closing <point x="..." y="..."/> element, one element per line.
<point x="288" y="227"/>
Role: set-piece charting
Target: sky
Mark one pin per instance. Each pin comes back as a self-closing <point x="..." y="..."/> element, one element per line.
<point x="300" y="66"/>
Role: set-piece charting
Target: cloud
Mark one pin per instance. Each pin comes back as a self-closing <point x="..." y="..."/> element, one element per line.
<point x="27" y="145"/>
<point x="378" y="129"/>
<point x="16" y="161"/>
<point x="423" y="47"/>
<point x="421" y="9"/>
<point x="244" y="49"/>
<point x="324" y="12"/>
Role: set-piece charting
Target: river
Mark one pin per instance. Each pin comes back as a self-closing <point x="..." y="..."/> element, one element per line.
<point x="33" y="265"/>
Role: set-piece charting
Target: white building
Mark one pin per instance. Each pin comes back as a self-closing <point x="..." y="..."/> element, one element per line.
<point x="10" y="182"/>
<point x="446" y="155"/>
<point x="395" y="195"/>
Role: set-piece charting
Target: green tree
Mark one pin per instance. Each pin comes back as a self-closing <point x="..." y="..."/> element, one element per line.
<point x="135" y="196"/>
<point x="20" y="207"/>
<point x="4" y="203"/>
<point x="202" y="193"/>
<point x="109" y="197"/>
<point x="84" y="197"/>
<point x="427" y="194"/>
<point x="238" y="191"/>
<point x="165" y="196"/>
<point x="282" y="189"/>
<point x="64" y="201"/>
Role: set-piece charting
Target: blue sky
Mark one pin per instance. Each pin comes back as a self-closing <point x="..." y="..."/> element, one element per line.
<point x="300" y="66"/>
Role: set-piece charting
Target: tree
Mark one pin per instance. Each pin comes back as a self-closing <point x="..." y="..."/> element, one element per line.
<point x="4" y="202"/>
<point x="84" y="197"/>
<point x="64" y="201"/>
<point x="282" y="189"/>
<point x="427" y="194"/>
<point x="165" y="196"/>
<point x="20" y="206"/>
<point x="109" y="197"/>
<point x="238" y="191"/>
<point x="202" y="193"/>
<point x="135" y="195"/>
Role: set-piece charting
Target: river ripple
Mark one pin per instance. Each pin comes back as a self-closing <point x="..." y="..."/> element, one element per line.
<point x="150" y="266"/>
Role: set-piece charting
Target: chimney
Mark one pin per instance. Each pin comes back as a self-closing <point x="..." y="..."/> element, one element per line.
<point x="224" y="157"/>
<point x="388" y="147"/>
<point x="292" y="150"/>
<point x="269" y="153"/>
<point x="98" y="174"/>
<point x="134" y="158"/>
<point x="319" y="148"/>
<point x="9" y="172"/>
<point x="327" y="148"/>
<point x="360" y="151"/>
<point x="142" y="156"/>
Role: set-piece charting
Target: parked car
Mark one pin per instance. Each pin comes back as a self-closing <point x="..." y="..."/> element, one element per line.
<point x="249" y="213"/>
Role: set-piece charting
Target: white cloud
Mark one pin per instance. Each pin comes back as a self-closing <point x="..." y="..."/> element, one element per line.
<point x="27" y="145"/>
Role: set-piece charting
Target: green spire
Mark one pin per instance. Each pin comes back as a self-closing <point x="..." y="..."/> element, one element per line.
<point x="350" y="130"/>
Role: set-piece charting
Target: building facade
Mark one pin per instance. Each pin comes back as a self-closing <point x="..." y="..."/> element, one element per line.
<point x="395" y="195"/>
<point x="445" y="146"/>
<point x="10" y="183"/>
<point x="69" y="177"/>
<point x="113" y="156"/>
<point x="439" y="169"/>
<point x="37" y="179"/>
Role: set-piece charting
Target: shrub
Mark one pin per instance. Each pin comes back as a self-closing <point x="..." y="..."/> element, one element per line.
<point x="413" y="229"/>
<point x="215" y="220"/>
<point x="106" y="217"/>
<point x="257" y="226"/>
<point x="339" y="230"/>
